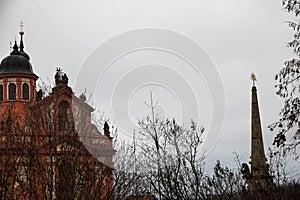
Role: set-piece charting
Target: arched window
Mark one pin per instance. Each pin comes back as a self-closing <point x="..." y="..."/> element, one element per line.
<point x="25" y="91"/>
<point x="12" y="91"/>
<point x="1" y="92"/>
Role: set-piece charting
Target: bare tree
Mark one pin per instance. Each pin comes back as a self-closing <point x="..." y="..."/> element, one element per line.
<point x="225" y="183"/>
<point x="164" y="161"/>
<point x="169" y="157"/>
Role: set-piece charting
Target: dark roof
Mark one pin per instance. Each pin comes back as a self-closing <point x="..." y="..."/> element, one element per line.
<point x="16" y="63"/>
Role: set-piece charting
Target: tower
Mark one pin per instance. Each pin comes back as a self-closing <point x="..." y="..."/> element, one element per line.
<point x="258" y="178"/>
<point x="17" y="79"/>
<point x="17" y="86"/>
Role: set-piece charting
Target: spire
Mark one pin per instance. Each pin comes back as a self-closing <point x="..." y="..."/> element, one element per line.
<point x="21" y="32"/>
<point x="259" y="177"/>
<point x="15" y="49"/>
<point x="258" y="160"/>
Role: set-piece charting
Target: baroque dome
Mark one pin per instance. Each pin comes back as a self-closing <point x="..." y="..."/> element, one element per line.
<point x="17" y="62"/>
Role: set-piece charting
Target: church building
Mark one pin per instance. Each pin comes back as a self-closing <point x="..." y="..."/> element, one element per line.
<point x="49" y="149"/>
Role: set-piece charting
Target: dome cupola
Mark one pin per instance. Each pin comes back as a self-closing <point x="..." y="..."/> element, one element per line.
<point x="18" y="61"/>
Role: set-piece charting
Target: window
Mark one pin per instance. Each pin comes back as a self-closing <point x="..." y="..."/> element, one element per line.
<point x="1" y="92"/>
<point x="12" y="91"/>
<point x="25" y="89"/>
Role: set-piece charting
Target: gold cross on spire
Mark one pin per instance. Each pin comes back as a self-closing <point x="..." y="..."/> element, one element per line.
<point x="21" y="27"/>
<point x="253" y="78"/>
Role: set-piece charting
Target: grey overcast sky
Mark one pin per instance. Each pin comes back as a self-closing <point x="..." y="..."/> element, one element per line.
<point x="239" y="36"/>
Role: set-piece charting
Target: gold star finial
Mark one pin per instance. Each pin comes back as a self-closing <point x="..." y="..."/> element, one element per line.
<point x="253" y="78"/>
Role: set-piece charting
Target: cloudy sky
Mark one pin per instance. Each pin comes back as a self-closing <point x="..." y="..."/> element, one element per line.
<point x="231" y="37"/>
